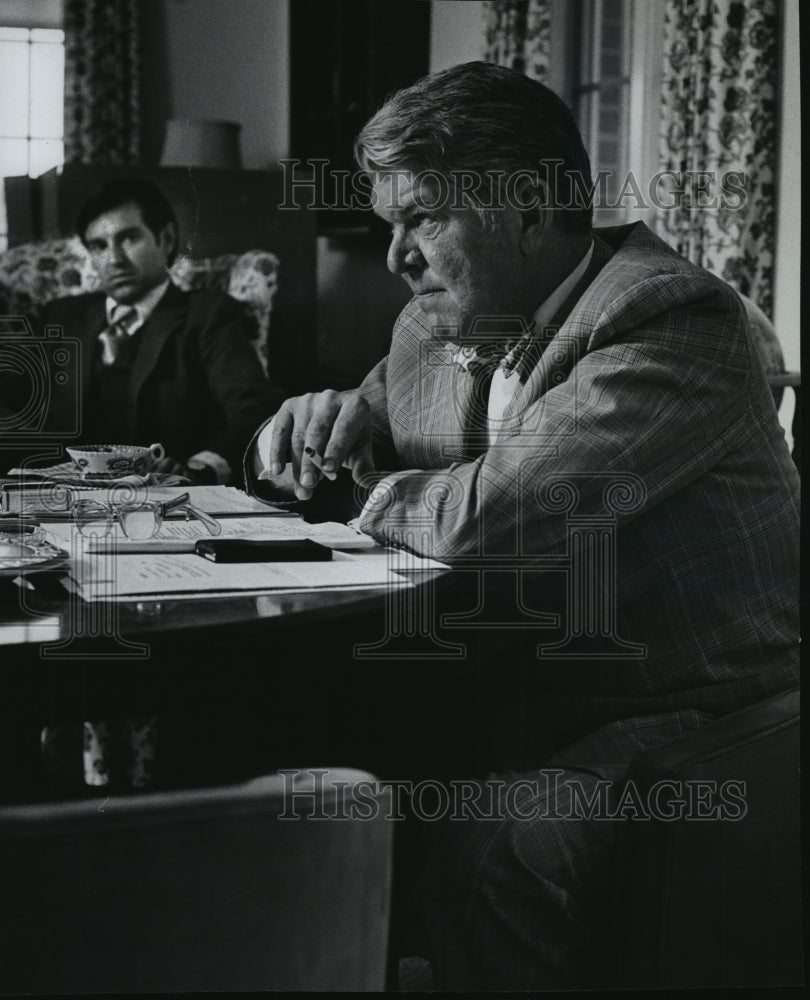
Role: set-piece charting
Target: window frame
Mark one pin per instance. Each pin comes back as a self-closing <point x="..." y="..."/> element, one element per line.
<point x="34" y="37"/>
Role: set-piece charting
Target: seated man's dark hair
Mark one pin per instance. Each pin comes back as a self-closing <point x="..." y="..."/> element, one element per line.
<point x="482" y="119"/>
<point x="155" y="207"/>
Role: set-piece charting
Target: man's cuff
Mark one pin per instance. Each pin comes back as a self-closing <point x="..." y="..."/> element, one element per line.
<point x="375" y="497"/>
<point x="380" y="498"/>
<point x="217" y="463"/>
<point x="261" y="454"/>
<point x="252" y="464"/>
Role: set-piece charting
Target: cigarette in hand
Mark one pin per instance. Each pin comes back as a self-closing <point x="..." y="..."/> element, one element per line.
<point x="317" y="461"/>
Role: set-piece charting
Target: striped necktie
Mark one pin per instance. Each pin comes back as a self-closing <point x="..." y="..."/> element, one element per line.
<point x="117" y="334"/>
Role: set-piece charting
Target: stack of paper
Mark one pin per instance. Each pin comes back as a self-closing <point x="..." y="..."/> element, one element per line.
<point x="182" y="536"/>
<point x="50" y="502"/>
<point x="130" y="577"/>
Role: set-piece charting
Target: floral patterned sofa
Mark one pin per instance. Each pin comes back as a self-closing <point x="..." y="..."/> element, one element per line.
<point x="34" y="273"/>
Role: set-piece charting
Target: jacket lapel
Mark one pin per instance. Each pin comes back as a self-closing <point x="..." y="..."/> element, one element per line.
<point x="443" y="400"/>
<point x="169" y="313"/>
<point x="91" y="325"/>
<point x="546" y="373"/>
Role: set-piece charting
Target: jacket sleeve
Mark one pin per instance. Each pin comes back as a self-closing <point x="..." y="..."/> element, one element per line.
<point x="658" y="394"/>
<point x="374" y="388"/>
<point x="245" y="395"/>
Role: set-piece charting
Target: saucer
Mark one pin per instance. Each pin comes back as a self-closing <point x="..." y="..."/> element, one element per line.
<point x="32" y="558"/>
<point x="67" y="473"/>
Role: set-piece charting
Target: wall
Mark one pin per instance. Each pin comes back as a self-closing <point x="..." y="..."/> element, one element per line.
<point x="31" y="13"/>
<point x="215" y="59"/>
<point x="218" y="60"/>
<point x="787" y="314"/>
<point x="456" y="32"/>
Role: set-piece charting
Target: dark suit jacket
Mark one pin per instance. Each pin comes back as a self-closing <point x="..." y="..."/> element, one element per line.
<point x="196" y="382"/>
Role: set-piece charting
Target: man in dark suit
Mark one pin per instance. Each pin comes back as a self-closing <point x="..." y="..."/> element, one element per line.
<point x="158" y="363"/>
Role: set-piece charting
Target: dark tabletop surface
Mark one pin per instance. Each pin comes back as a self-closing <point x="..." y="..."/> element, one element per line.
<point x="49" y="614"/>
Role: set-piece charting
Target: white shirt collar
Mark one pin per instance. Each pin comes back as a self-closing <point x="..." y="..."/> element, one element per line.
<point x="545" y="311"/>
<point x="144" y="307"/>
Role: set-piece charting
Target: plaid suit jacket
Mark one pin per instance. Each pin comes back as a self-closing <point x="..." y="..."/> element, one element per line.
<point x="648" y="421"/>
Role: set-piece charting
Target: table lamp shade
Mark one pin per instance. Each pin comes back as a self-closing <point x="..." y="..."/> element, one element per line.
<point x="201" y="144"/>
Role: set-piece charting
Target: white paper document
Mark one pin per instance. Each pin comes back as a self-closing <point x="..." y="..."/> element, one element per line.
<point x="181" y="536"/>
<point x="402" y="561"/>
<point x="220" y="501"/>
<point x="106" y="577"/>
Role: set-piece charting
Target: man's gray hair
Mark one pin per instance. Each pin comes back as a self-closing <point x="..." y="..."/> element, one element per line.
<point x="489" y="121"/>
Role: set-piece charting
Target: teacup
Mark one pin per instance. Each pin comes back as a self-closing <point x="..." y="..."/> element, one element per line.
<point x="114" y="461"/>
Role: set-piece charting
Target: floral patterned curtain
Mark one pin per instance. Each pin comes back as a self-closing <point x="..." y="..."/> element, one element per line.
<point x="719" y="115"/>
<point x="518" y="35"/>
<point x="102" y="81"/>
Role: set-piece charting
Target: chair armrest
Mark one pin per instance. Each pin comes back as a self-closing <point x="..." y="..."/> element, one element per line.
<point x="780" y="380"/>
<point x="715" y="901"/>
<point x="791" y="380"/>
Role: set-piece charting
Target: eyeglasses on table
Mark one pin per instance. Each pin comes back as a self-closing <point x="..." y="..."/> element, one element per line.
<point x="139" y="519"/>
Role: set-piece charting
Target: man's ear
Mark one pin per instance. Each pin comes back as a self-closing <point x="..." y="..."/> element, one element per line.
<point x="168" y="238"/>
<point x="531" y="200"/>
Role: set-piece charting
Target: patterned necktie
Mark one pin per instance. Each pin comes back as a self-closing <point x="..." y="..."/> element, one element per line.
<point x="117" y="334"/>
<point x="481" y="357"/>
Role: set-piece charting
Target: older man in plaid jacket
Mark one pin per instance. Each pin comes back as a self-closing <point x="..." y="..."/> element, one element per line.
<point x="557" y="393"/>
